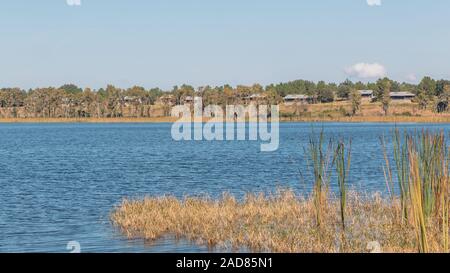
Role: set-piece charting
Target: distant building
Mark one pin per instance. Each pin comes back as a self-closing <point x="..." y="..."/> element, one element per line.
<point x="298" y="99"/>
<point x="255" y="98"/>
<point x="191" y="100"/>
<point x="168" y="100"/>
<point x="402" y="96"/>
<point x="188" y="99"/>
<point x="132" y="100"/>
<point x="366" y="95"/>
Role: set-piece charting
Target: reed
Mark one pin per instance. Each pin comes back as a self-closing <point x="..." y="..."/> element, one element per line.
<point x="445" y="217"/>
<point x="421" y="161"/>
<point x="320" y="160"/>
<point x="417" y="202"/>
<point x="387" y="170"/>
<point x="435" y="180"/>
<point x="343" y="160"/>
<point x="401" y="161"/>
<point x="279" y="222"/>
<point x="400" y="151"/>
<point x="429" y="152"/>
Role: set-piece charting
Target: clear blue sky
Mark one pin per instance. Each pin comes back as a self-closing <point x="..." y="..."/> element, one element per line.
<point x="199" y="42"/>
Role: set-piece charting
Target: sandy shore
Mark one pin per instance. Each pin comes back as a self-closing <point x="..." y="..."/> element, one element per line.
<point x="356" y="119"/>
<point x="88" y="120"/>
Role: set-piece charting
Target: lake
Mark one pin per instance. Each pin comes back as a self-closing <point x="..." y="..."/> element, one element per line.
<point x="59" y="182"/>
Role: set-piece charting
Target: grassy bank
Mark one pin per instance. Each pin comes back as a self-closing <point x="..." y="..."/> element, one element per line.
<point x="325" y="112"/>
<point x="325" y="118"/>
<point x="88" y="120"/>
<point x="278" y="223"/>
<point x="371" y="119"/>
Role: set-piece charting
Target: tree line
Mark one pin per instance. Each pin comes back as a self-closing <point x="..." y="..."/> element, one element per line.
<point x="71" y="101"/>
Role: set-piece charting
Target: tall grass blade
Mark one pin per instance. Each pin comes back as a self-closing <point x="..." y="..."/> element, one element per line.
<point x="343" y="161"/>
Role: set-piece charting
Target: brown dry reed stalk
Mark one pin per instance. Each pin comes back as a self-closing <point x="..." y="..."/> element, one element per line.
<point x="320" y="159"/>
<point x="417" y="202"/>
<point x="342" y="160"/>
<point x="400" y="151"/>
<point x="422" y="163"/>
<point x="281" y="222"/>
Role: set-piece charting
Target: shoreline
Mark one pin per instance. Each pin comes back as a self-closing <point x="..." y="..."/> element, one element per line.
<point x="356" y="119"/>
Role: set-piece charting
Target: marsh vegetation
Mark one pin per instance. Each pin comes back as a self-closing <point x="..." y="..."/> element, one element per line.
<point x="413" y="217"/>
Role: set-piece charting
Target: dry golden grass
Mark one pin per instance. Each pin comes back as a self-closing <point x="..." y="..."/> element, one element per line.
<point x="372" y="119"/>
<point x="277" y="223"/>
<point x="399" y="112"/>
<point x="319" y="118"/>
<point x="88" y="120"/>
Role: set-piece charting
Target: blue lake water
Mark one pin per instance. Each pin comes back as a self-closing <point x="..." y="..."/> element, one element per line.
<point x="59" y="182"/>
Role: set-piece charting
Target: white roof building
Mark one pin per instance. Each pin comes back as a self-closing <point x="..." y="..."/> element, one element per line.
<point x="366" y="93"/>
<point x="296" y="97"/>
<point x="402" y="95"/>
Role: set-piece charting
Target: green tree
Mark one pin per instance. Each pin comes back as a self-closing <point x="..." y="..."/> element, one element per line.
<point x="428" y="85"/>
<point x="114" y="101"/>
<point x="381" y="86"/>
<point x="71" y="88"/>
<point x="324" y="92"/>
<point x="407" y="87"/>
<point x="325" y="95"/>
<point x="440" y="86"/>
<point x="257" y="89"/>
<point x="344" y="89"/>
<point x="182" y="92"/>
<point x="360" y="86"/>
<point x="12" y="98"/>
<point x="422" y="99"/>
<point x="46" y="102"/>
<point x="296" y="87"/>
<point x="395" y="86"/>
<point x="444" y="99"/>
<point x="355" y="98"/>
<point x="384" y="88"/>
<point x="89" y="103"/>
<point x="243" y="91"/>
<point x="272" y="97"/>
<point x="153" y="94"/>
